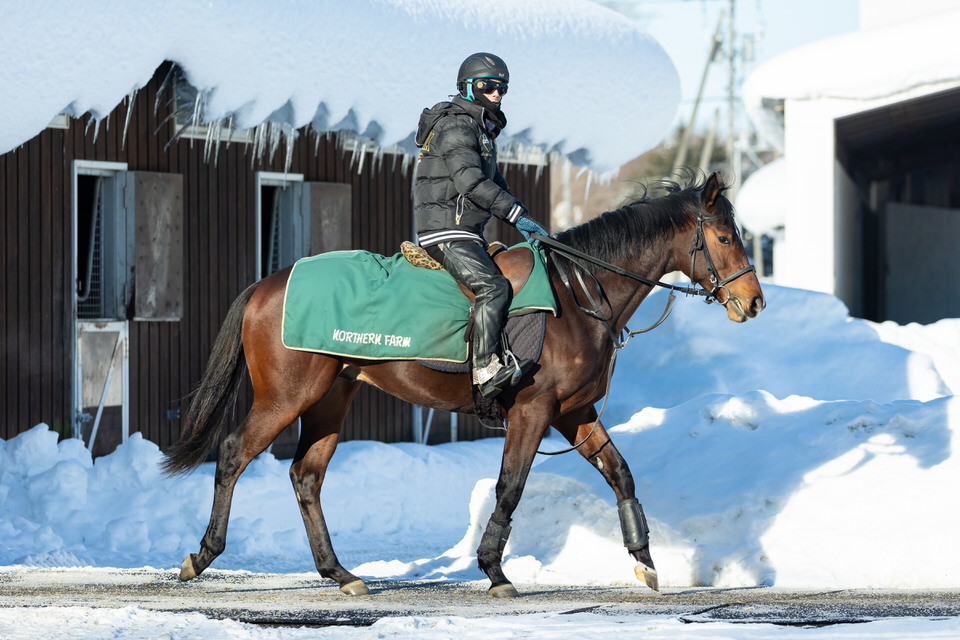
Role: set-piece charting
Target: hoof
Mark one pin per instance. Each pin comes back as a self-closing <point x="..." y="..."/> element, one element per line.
<point x="355" y="588"/>
<point x="504" y="591"/>
<point x="647" y="575"/>
<point x="187" y="571"/>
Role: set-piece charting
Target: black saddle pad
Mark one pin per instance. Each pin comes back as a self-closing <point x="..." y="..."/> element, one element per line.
<point x="524" y="334"/>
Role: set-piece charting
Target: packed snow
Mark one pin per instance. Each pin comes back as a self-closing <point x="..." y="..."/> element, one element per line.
<point x="804" y="448"/>
<point x="132" y="622"/>
<point x="585" y="80"/>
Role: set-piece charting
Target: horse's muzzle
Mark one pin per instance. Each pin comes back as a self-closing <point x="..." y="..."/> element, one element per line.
<point x="740" y="310"/>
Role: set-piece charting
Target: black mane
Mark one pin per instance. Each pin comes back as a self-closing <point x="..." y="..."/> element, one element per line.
<point x="616" y="235"/>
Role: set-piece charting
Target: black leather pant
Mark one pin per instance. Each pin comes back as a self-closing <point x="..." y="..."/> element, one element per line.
<point x="470" y="264"/>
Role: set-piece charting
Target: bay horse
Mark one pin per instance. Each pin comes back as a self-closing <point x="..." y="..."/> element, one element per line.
<point x="691" y="229"/>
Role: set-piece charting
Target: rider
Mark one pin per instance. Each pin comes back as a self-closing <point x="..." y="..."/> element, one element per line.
<point x="458" y="187"/>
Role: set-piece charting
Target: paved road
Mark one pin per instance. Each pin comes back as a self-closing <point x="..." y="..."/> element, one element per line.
<point x="283" y="599"/>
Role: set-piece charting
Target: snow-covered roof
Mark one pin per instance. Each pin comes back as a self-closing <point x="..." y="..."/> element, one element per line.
<point x="863" y="65"/>
<point x="585" y="80"/>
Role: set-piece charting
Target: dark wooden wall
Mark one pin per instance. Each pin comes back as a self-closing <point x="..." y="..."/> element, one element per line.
<point x="167" y="358"/>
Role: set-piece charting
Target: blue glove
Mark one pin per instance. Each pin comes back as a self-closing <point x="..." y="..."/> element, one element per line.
<point x="526" y="227"/>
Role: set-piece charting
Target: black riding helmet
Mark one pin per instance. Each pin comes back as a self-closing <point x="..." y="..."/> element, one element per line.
<point x="480" y="65"/>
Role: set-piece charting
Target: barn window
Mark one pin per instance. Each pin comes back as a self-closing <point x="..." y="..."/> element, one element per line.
<point x="101" y="256"/>
<point x="128" y="246"/>
<point x="280" y="229"/>
<point x="296" y="219"/>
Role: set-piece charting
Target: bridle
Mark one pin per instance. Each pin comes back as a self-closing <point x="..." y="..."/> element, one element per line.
<point x="700" y="243"/>
<point x="595" y="310"/>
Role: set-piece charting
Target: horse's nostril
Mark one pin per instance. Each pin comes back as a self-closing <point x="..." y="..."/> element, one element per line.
<point x="757" y="305"/>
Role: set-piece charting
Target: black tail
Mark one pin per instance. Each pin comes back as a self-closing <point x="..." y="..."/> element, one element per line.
<point x="216" y="395"/>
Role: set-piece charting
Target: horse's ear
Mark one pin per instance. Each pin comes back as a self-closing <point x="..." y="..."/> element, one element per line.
<point x="712" y="190"/>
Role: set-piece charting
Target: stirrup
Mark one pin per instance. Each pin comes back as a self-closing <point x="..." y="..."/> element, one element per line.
<point x="512" y="362"/>
<point x="504" y="375"/>
<point x="500" y="380"/>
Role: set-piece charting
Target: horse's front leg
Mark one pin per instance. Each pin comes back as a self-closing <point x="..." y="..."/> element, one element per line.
<point x="600" y="451"/>
<point x="527" y="424"/>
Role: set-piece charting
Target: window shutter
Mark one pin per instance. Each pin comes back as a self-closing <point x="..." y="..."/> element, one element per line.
<point x="154" y="203"/>
<point x="330" y="207"/>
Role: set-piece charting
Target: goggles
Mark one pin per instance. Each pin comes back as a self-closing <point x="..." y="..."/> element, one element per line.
<point x="489" y="85"/>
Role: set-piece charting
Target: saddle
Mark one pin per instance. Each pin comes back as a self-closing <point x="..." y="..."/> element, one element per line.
<point x="514" y="264"/>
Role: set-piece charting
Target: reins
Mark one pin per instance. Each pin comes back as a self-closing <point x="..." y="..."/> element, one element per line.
<point x="574" y="256"/>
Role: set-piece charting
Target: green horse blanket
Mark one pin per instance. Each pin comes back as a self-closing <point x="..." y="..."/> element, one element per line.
<point x="364" y="305"/>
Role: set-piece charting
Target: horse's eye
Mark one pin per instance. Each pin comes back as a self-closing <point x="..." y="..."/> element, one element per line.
<point x="723" y="239"/>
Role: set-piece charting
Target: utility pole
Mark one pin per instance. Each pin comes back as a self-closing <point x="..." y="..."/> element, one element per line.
<point x="731" y="99"/>
<point x="707" y="152"/>
<point x="681" y="156"/>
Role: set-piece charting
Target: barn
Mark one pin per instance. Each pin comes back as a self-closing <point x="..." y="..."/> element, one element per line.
<point x="869" y="126"/>
<point x="125" y="251"/>
<point x="140" y="194"/>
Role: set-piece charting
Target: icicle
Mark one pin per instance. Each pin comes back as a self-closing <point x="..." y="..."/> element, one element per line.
<point x="167" y="82"/>
<point x="274" y="136"/>
<point x="211" y="143"/>
<point x="196" y="116"/>
<point x="353" y="156"/>
<point x="363" y="155"/>
<point x="290" y="139"/>
<point x="230" y="130"/>
<point x="131" y="97"/>
<point x="207" y="140"/>
<point x="96" y="127"/>
<point x="259" y="143"/>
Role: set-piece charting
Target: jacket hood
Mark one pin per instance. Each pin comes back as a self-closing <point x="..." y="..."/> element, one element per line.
<point x="459" y="106"/>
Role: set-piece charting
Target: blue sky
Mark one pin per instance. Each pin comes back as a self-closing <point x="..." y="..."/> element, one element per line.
<point x="684" y="29"/>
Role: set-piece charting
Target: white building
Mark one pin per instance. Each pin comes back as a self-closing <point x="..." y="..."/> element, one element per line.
<point x="869" y="125"/>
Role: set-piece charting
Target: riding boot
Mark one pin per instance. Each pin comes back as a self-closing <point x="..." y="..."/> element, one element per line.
<point x="469" y="264"/>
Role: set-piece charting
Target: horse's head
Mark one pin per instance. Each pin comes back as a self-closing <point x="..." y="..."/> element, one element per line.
<point x="718" y="261"/>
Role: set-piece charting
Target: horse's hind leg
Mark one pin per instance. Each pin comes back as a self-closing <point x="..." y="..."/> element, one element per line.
<point x="600" y="451"/>
<point x="320" y="429"/>
<point x="261" y="426"/>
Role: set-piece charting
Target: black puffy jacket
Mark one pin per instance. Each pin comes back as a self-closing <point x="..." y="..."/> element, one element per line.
<point x="458" y="183"/>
